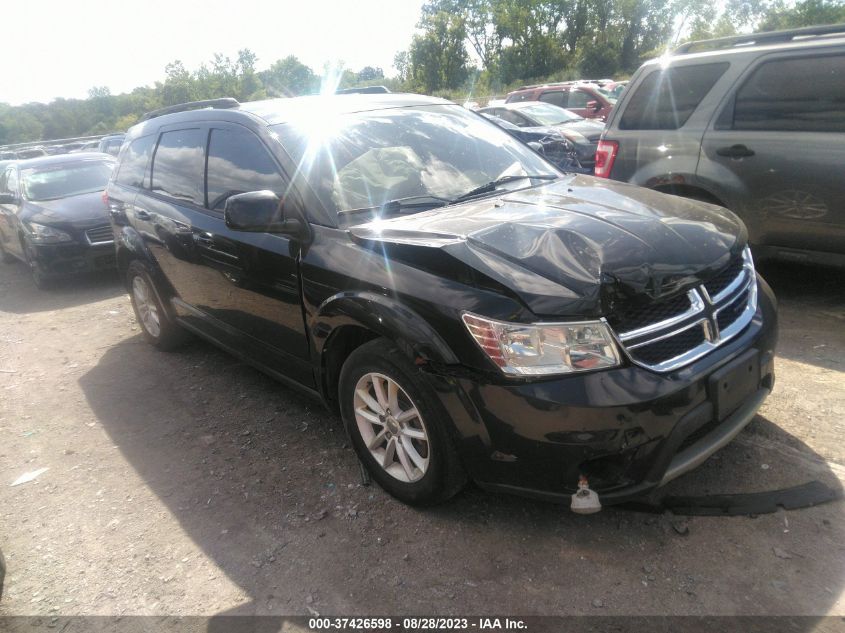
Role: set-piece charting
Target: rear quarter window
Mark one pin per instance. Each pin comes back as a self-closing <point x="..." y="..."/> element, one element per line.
<point x="806" y="94"/>
<point x="133" y="163"/>
<point x="666" y="98"/>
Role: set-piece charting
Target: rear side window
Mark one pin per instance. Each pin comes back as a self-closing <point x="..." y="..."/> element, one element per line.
<point x="178" y="165"/>
<point x="237" y="163"/>
<point x="133" y="164"/>
<point x="555" y="97"/>
<point x="512" y="117"/>
<point x="666" y="98"/>
<point x="579" y="98"/>
<point x="806" y="95"/>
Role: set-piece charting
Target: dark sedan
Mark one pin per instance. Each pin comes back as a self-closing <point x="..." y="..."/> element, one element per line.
<point x="548" y="141"/>
<point x="582" y="133"/>
<point x="53" y="217"/>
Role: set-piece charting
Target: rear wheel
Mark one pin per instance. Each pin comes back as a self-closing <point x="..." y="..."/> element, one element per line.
<point x="397" y="426"/>
<point x="155" y="323"/>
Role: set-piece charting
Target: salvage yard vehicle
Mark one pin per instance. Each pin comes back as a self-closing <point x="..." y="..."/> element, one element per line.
<point x="470" y="311"/>
<point x="52" y="215"/>
<point x="583" y="98"/>
<point x="583" y="133"/>
<point x="553" y="145"/>
<point x="755" y="123"/>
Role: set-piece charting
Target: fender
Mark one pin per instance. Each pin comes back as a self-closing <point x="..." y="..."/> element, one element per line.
<point x="384" y="316"/>
<point x="130" y="246"/>
<point x="416" y="338"/>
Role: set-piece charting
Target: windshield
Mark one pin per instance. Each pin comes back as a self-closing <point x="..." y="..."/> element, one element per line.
<point x="548" y="114"/>
<point x="61" y="181"/>
<point x="362" y="161"/>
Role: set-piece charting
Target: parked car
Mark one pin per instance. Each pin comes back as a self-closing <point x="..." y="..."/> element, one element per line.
<point x="89" y="146"/>
<point x="613" y="90"/>
<point x="111" y="144"/>
<point x="755" y="123"/>
<point x="585" y="100"/>
<point x="549" y="141"/>
<point x="584" y="134"/>
<point x="468" y="309"/>
<point x="52" y="215"/>
<point x="30" y="152"/>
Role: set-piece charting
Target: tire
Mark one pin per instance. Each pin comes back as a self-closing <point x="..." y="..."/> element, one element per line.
<point x="156" y="324"/>
<point x="423" y="466"/>
<point x="41" y="281"/>
<point x="5" y="256"/>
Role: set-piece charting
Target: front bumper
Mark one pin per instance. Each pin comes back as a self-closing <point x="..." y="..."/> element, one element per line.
<point x="629" y="430"/>
<point x="69" y="258"/>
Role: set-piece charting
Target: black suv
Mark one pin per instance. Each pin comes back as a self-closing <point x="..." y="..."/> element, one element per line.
<point x="755" y="123"/>
<point x="468" y="309"/>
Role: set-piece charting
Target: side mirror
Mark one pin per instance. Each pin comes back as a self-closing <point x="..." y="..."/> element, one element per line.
<point x="8" y="198"/>
<point x="593" y="105"/>
<point x="259" y="212"/>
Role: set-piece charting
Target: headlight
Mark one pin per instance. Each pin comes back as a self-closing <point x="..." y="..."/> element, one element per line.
<point x="544" y="348"/>
<point x="42" y="234"/>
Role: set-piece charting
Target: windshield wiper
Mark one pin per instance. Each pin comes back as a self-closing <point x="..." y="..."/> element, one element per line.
<point x="400" y="204"/>
<point x="495" y="184"/>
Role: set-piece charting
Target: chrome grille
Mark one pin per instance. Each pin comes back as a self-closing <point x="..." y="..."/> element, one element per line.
<point x="99" y="235"/>
<point x="690" y="326"/>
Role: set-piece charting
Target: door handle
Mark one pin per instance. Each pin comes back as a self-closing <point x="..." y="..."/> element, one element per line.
<point x="735" y="151"/>
<point x="204" y="239"/>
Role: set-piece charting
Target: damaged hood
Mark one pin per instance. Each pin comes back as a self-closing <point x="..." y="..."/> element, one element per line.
<point x="575" y="246"/>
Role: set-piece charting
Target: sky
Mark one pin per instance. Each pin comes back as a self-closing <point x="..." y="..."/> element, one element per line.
<point x="61" y="48"/>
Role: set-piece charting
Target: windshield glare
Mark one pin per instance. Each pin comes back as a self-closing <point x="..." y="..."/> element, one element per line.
<point x="548" y="114"/>
<point x="62" y="181"/>
<point x="363" y="160"/>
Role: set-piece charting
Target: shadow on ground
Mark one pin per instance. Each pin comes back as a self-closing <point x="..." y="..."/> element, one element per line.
<point x="19" y="295"/>
<point x="263" y="481"/>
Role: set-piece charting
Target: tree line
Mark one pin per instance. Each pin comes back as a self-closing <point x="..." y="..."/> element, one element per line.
<point x="489" y="45"/>
<point x="103" y="112"/>
<point x="461" y="48"/>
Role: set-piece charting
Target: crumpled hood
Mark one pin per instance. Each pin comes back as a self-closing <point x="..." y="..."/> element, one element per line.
<point x="84" y="210"/>
<point x="575" y="246"/>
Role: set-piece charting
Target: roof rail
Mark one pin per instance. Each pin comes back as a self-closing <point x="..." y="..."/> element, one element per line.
<point x="364" y="90"/>
<point x="759" y="38"/>
<point x="219" y="104"/>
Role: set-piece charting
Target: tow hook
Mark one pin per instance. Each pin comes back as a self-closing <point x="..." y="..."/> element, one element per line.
<point x="585" y="501"/>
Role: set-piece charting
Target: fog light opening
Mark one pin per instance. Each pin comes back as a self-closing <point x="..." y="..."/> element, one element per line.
<point x="585" y="501"/>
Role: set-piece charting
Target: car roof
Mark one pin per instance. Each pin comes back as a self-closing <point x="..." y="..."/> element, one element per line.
<point x="286" y="110"/>
<point x="49" y="161"/>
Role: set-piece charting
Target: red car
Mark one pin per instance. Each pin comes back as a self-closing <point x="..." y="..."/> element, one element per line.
<point x="582" y="99"/>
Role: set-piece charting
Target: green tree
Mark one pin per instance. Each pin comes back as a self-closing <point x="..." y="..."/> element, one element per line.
<point x="438" y="57"/>
<point x="289" y="77"/>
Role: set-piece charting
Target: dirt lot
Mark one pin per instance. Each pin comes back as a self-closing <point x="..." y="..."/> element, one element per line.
<point x="188" y="483"/>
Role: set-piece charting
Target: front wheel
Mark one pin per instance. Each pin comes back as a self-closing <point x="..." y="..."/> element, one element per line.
<point x="397" y="426"/>
<point x="155" y="323"/>
<point x="41" y="281"/>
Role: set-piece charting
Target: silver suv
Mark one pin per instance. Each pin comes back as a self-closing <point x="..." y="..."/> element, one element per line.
<point x="754" y="123"/>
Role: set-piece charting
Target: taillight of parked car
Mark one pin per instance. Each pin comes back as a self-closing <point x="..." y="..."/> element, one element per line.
<point x="105" y="198"/>
<point x="605" y="155"/>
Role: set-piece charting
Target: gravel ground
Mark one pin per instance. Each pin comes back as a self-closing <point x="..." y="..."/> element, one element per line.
<point x="189" y="484"/>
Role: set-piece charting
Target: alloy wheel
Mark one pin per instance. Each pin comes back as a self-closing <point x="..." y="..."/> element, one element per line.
<point x="146" y="306"/>
<point x="392" y="428"/>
